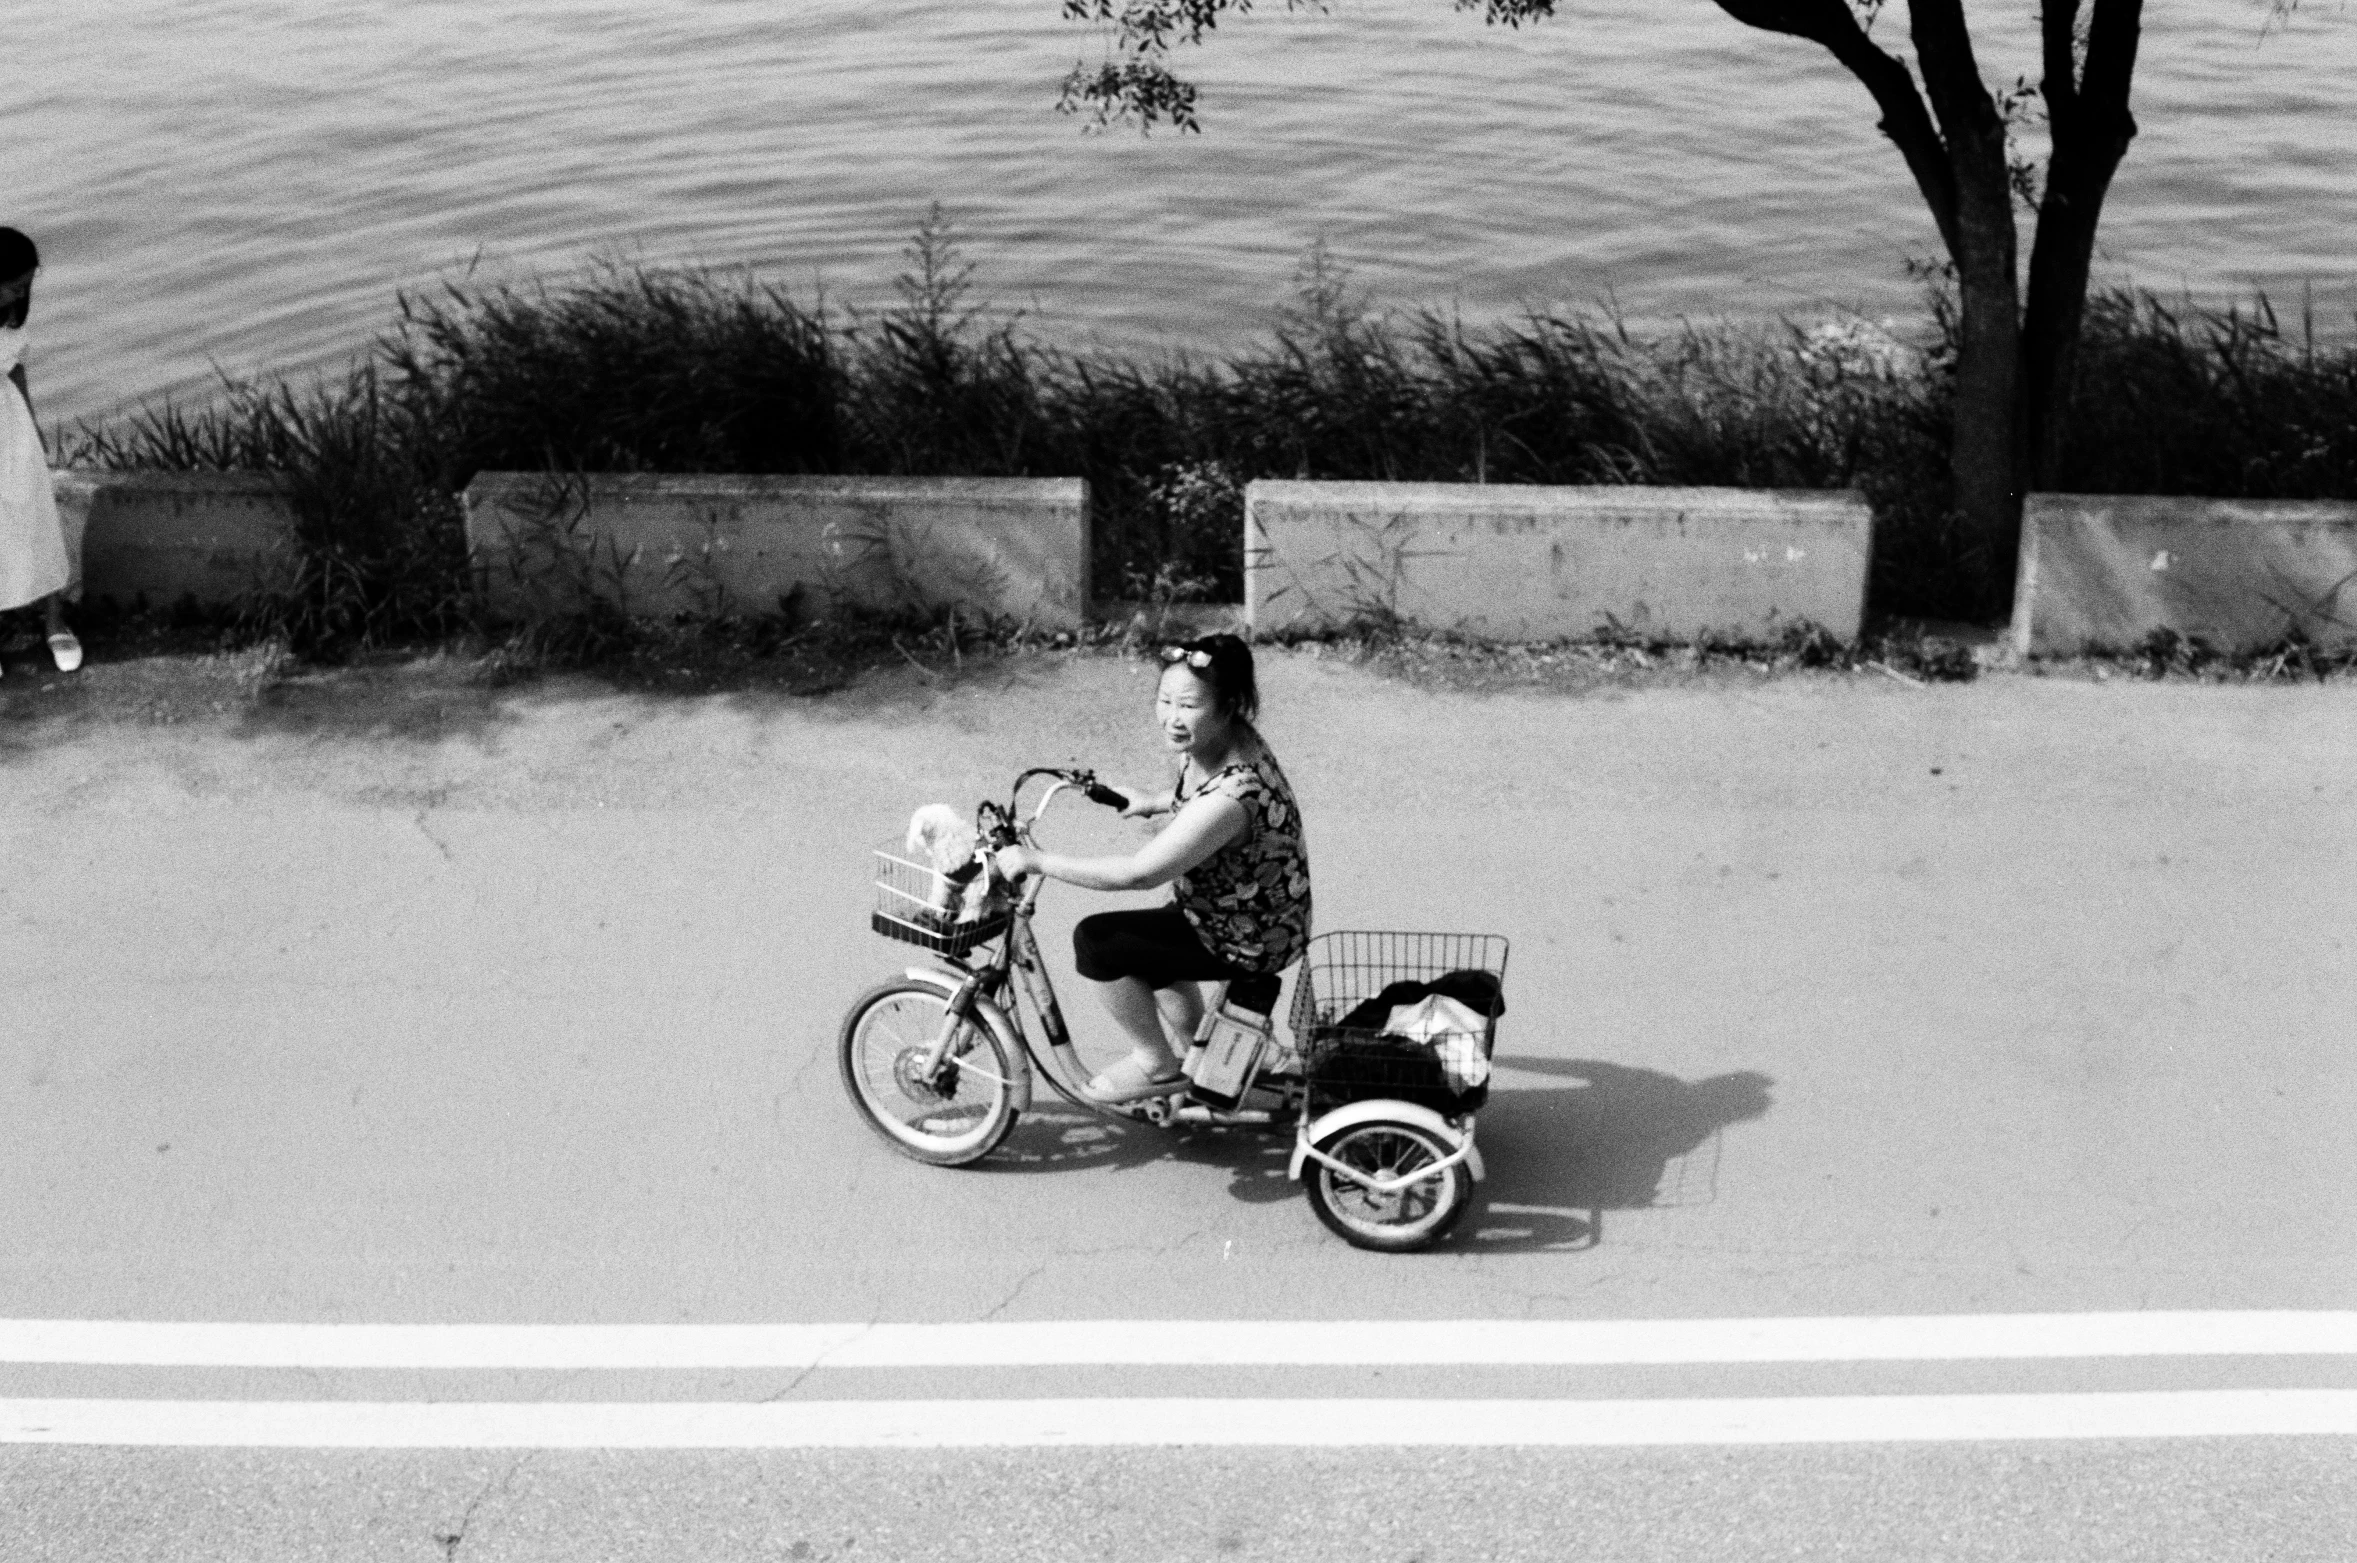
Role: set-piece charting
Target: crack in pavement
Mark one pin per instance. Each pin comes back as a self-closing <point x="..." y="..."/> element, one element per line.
<point x="1015" y="1291"/>
<point x="1159" y="1250"/>
<point x="810" y="1060"/>
<point x="440" y="845"/>
<point x="451" y="1540"/>
<point x="820" y="1361"/>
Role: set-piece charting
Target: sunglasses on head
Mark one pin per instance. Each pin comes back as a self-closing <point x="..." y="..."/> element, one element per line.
<point x="1194" y="658"/>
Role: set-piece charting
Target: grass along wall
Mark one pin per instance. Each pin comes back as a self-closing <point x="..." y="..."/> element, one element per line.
<point x="733" y="375"/>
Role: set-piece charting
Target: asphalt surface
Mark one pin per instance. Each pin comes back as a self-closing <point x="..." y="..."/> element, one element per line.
<point x="395" y="1000"/>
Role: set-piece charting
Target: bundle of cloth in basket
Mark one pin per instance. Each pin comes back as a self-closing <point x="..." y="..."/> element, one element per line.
<point x="1448" y="1016"/>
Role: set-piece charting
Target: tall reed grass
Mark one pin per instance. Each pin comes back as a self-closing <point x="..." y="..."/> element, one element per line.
<point x="663" y="370"/>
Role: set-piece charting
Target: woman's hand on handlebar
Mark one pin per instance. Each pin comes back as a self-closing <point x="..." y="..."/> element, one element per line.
<point x="1142" y="805"/>
<point x="1131" y="803"/>
<point x="1014" y="860"/>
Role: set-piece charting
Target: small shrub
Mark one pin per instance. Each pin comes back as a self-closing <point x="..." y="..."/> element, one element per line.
<point x="1936" y="661"/>
<point x="2165" y="652"/>
<point x="1812" y="646"/>
<point x="2296" y="656"/>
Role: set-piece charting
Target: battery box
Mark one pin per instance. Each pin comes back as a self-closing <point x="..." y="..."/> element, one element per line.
<point x="1226" y="1054"/>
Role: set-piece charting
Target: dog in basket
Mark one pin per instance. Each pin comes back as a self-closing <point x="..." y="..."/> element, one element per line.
<point x="961" y="891"/>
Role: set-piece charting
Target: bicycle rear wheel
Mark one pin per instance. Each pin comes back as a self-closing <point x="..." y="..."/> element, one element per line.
<point x="1409" y="1217"/>
<point x="947" y="1118"/>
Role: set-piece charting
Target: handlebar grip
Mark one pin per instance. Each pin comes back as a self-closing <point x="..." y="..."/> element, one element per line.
<point x="1098" y="792"/>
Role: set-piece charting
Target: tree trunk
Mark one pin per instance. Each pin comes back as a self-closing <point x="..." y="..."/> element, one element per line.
<point x="1986" y="448"/>
<point x="2013" y="374"/>
<point x="2092" y="128"/>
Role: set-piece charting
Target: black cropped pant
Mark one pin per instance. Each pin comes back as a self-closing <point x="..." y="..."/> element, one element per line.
<point x="1161" y="949"/>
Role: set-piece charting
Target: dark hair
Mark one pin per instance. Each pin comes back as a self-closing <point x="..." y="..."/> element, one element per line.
<point x="1229" y="673"/>
<point x="19" y="257"/>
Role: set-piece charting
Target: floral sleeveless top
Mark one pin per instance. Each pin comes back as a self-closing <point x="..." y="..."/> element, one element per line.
<point x="1249" y="901"/>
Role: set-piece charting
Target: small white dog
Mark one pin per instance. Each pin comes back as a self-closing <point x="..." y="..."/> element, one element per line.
<point x="949" y="844"/>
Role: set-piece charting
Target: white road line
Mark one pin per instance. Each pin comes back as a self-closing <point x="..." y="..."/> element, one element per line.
<point x="975" y="1424"/>
<point x="1179" y="1343"/>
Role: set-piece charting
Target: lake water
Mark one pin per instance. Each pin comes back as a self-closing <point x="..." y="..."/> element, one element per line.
<point x="246" y="183"/>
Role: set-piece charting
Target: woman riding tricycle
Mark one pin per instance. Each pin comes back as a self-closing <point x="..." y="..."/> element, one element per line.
<point x="1392" y="1032"/>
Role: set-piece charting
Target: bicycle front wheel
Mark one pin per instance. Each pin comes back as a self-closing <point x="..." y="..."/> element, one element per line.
<point x="948" y="1116"/>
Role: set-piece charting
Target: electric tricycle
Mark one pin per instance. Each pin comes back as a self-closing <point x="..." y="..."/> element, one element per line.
<point x="1379" y="1081"/>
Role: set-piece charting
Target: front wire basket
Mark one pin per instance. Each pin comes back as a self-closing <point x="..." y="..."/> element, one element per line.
<point x="915" y="905"/>
<point x="1339" y="1011"/>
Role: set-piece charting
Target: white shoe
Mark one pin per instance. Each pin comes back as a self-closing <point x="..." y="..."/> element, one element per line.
<point x="64" y="650"/>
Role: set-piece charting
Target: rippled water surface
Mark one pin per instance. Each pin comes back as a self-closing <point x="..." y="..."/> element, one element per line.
<point x="246" y="183"/>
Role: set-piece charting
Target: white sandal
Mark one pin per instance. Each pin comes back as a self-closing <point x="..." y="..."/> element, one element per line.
<point x="1128" y="1081"/>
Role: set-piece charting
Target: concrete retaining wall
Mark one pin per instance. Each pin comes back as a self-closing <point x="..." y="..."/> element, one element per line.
<point x="1010" y="548"/>
<point x="214" y="536"/>
<point x="1514" y="562"/>
<point x="2102" y="572"/>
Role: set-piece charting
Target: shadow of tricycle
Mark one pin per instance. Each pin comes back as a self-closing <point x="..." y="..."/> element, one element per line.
<point x="1623" y="1138"/>
<point x="1558" y="1156"/>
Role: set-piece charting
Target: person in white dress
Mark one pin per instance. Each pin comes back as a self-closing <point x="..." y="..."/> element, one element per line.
<point x="36" y="564"/>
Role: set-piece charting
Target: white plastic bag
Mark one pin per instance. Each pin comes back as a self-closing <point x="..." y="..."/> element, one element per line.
<point x="1453" y="1032"/>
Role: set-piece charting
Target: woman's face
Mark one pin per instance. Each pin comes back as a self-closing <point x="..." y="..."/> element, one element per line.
<point x="1188" y="713"/>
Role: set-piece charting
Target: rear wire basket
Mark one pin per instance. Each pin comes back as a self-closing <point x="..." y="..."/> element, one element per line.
<point x="1351" y="1062"/>
<point x="909" y="907"/>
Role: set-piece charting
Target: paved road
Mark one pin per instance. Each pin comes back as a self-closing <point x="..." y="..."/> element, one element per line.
<point x="1828" y="998"/>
